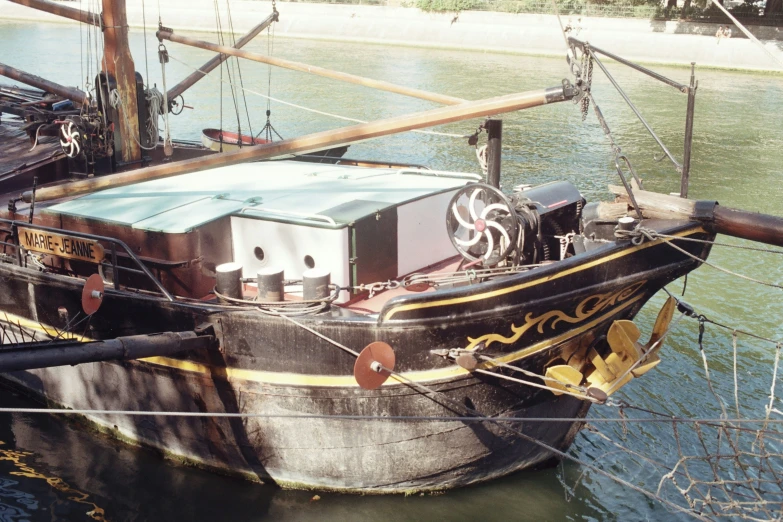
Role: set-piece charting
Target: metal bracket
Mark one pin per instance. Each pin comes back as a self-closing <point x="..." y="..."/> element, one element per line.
<point x="704" y="210"/>
<point x="570" y="90"/>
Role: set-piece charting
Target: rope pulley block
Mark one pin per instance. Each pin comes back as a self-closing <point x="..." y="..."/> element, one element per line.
<point x="92" y="294"/>
<point x="374" y="365"/>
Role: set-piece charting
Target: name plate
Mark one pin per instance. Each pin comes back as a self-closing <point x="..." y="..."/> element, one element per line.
<point x="61" y="245"/>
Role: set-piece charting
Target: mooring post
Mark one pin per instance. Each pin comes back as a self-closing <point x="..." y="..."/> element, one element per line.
<point x="494" y="142"/>
<point x="686" y="160"/>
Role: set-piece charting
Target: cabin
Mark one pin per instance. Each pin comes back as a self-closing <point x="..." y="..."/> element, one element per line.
<point x="361" y="225"/>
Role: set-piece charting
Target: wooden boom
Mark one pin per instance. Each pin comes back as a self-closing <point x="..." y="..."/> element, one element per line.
<point x="205" y="69"/>
<point x="722" y="220"/>
<point x="36" y="81"/>
<point x="86" y="17"/>
<point x="311" y="69"/>
<point x="314" y="142"/>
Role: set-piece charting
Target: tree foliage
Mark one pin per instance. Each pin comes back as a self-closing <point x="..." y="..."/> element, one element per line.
<point x="773" y="7"/>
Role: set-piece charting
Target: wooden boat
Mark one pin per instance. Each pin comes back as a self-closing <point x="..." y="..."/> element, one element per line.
<point x="221" y="140"/>
<point x="316" y="326"/>
<point x="217" y="140"/>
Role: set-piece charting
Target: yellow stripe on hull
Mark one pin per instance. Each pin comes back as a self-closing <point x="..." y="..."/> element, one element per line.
<point x="503" y="291"/>
<point x="348" y="381"/>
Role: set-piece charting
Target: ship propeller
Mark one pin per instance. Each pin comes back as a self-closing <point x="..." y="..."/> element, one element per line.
<point x="482" y="224"/>
<point x="69" y="139"/>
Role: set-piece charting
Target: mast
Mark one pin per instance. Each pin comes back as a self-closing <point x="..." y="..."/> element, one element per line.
<point x="118" y="64"/>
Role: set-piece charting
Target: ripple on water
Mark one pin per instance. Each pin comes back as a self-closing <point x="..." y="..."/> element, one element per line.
<point x="737" y="153"/>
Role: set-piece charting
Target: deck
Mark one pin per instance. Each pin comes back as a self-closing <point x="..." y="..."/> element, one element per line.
<point x="18" y="162"/>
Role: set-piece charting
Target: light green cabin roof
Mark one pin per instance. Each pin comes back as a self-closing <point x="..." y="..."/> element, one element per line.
<point x="285" y="190"/>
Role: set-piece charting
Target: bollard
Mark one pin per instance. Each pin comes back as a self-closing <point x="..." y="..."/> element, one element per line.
<point x="626" y="223"/>
<point x="229" y="280"/>
<point x="315" y="283"/>
<point x="270" y="284"/>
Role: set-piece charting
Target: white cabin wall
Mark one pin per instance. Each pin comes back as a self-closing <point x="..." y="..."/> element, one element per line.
<point x="422" y="239"/>
<point x="285" y="245"/>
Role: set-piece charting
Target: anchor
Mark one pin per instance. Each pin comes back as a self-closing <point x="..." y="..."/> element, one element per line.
<point x="622" y="364"/>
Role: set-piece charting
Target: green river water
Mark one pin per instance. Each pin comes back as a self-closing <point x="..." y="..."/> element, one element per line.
<point x="50" y="470"/>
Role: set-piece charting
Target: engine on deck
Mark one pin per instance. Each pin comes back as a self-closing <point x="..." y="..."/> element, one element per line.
<point x="532" y="225"/>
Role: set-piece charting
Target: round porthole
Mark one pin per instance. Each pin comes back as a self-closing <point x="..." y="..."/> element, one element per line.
<point x="309" y="262"/>
<point x="259" y="253"/>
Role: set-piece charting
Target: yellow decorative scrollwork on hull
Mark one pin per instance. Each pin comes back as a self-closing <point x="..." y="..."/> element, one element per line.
<point x="587" y="308"/>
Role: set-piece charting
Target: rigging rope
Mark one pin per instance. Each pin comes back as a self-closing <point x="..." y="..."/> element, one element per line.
<point x="562" y="28"/>
<point x="239" y="67"/>
<point x="638" y="235"/>
<point x="301" y="107"/>
<point x="716" y="243"/>
<point x="270" y="48"/>
<point x="81" y="45"/>
<point x="471" y="412"/>
<point x="422" y="418"/>
<point x="146" y="53"/>
<point x="227" y="64"/>
<point x="154" y="106"/>
<point x="727" y="481"/>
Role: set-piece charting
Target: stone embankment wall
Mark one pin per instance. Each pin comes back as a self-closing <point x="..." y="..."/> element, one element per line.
<point x="647" y="41"/>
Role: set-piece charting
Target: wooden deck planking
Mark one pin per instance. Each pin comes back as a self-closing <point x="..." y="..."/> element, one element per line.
<point x="16" y="156"/>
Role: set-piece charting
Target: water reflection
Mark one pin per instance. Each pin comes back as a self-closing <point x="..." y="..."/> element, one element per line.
<point x="738" y="150"/>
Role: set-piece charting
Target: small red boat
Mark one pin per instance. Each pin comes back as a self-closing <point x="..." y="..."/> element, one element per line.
<point x="214" y="138"/>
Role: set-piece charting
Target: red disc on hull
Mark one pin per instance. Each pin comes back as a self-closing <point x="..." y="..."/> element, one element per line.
<point x="92" y="294"/>
<point x="374" y="365"/>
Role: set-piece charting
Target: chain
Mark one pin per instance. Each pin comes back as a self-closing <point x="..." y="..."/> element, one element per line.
<point x="374" y="288"/>
<point x="587" y="68"/>
<point x="443" y="278"/>
<point x="565" y="240"/>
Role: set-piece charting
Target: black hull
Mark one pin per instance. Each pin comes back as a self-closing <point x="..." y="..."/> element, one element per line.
<point x="267" y="365"/>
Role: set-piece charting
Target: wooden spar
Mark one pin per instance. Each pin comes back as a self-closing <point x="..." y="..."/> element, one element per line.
<point x="658" y="206"/>
<point x="36" y="81"/>
<point x="314" y="142"/>
<point x="70" y="352"/>
<point x="749" y="225"/>
<point x="119" y="65"/>
<point x="205" y="69"/>
<point x="85" y="17"/>
<point x="311" y="69"/>
<point x="722" y="220"/>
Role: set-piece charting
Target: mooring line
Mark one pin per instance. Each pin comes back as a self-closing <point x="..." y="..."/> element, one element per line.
<point x="741" y="332"/>
<point x="716" y="243"/>
<point x="638" y="235"/>
<point x="427" y="418"/>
